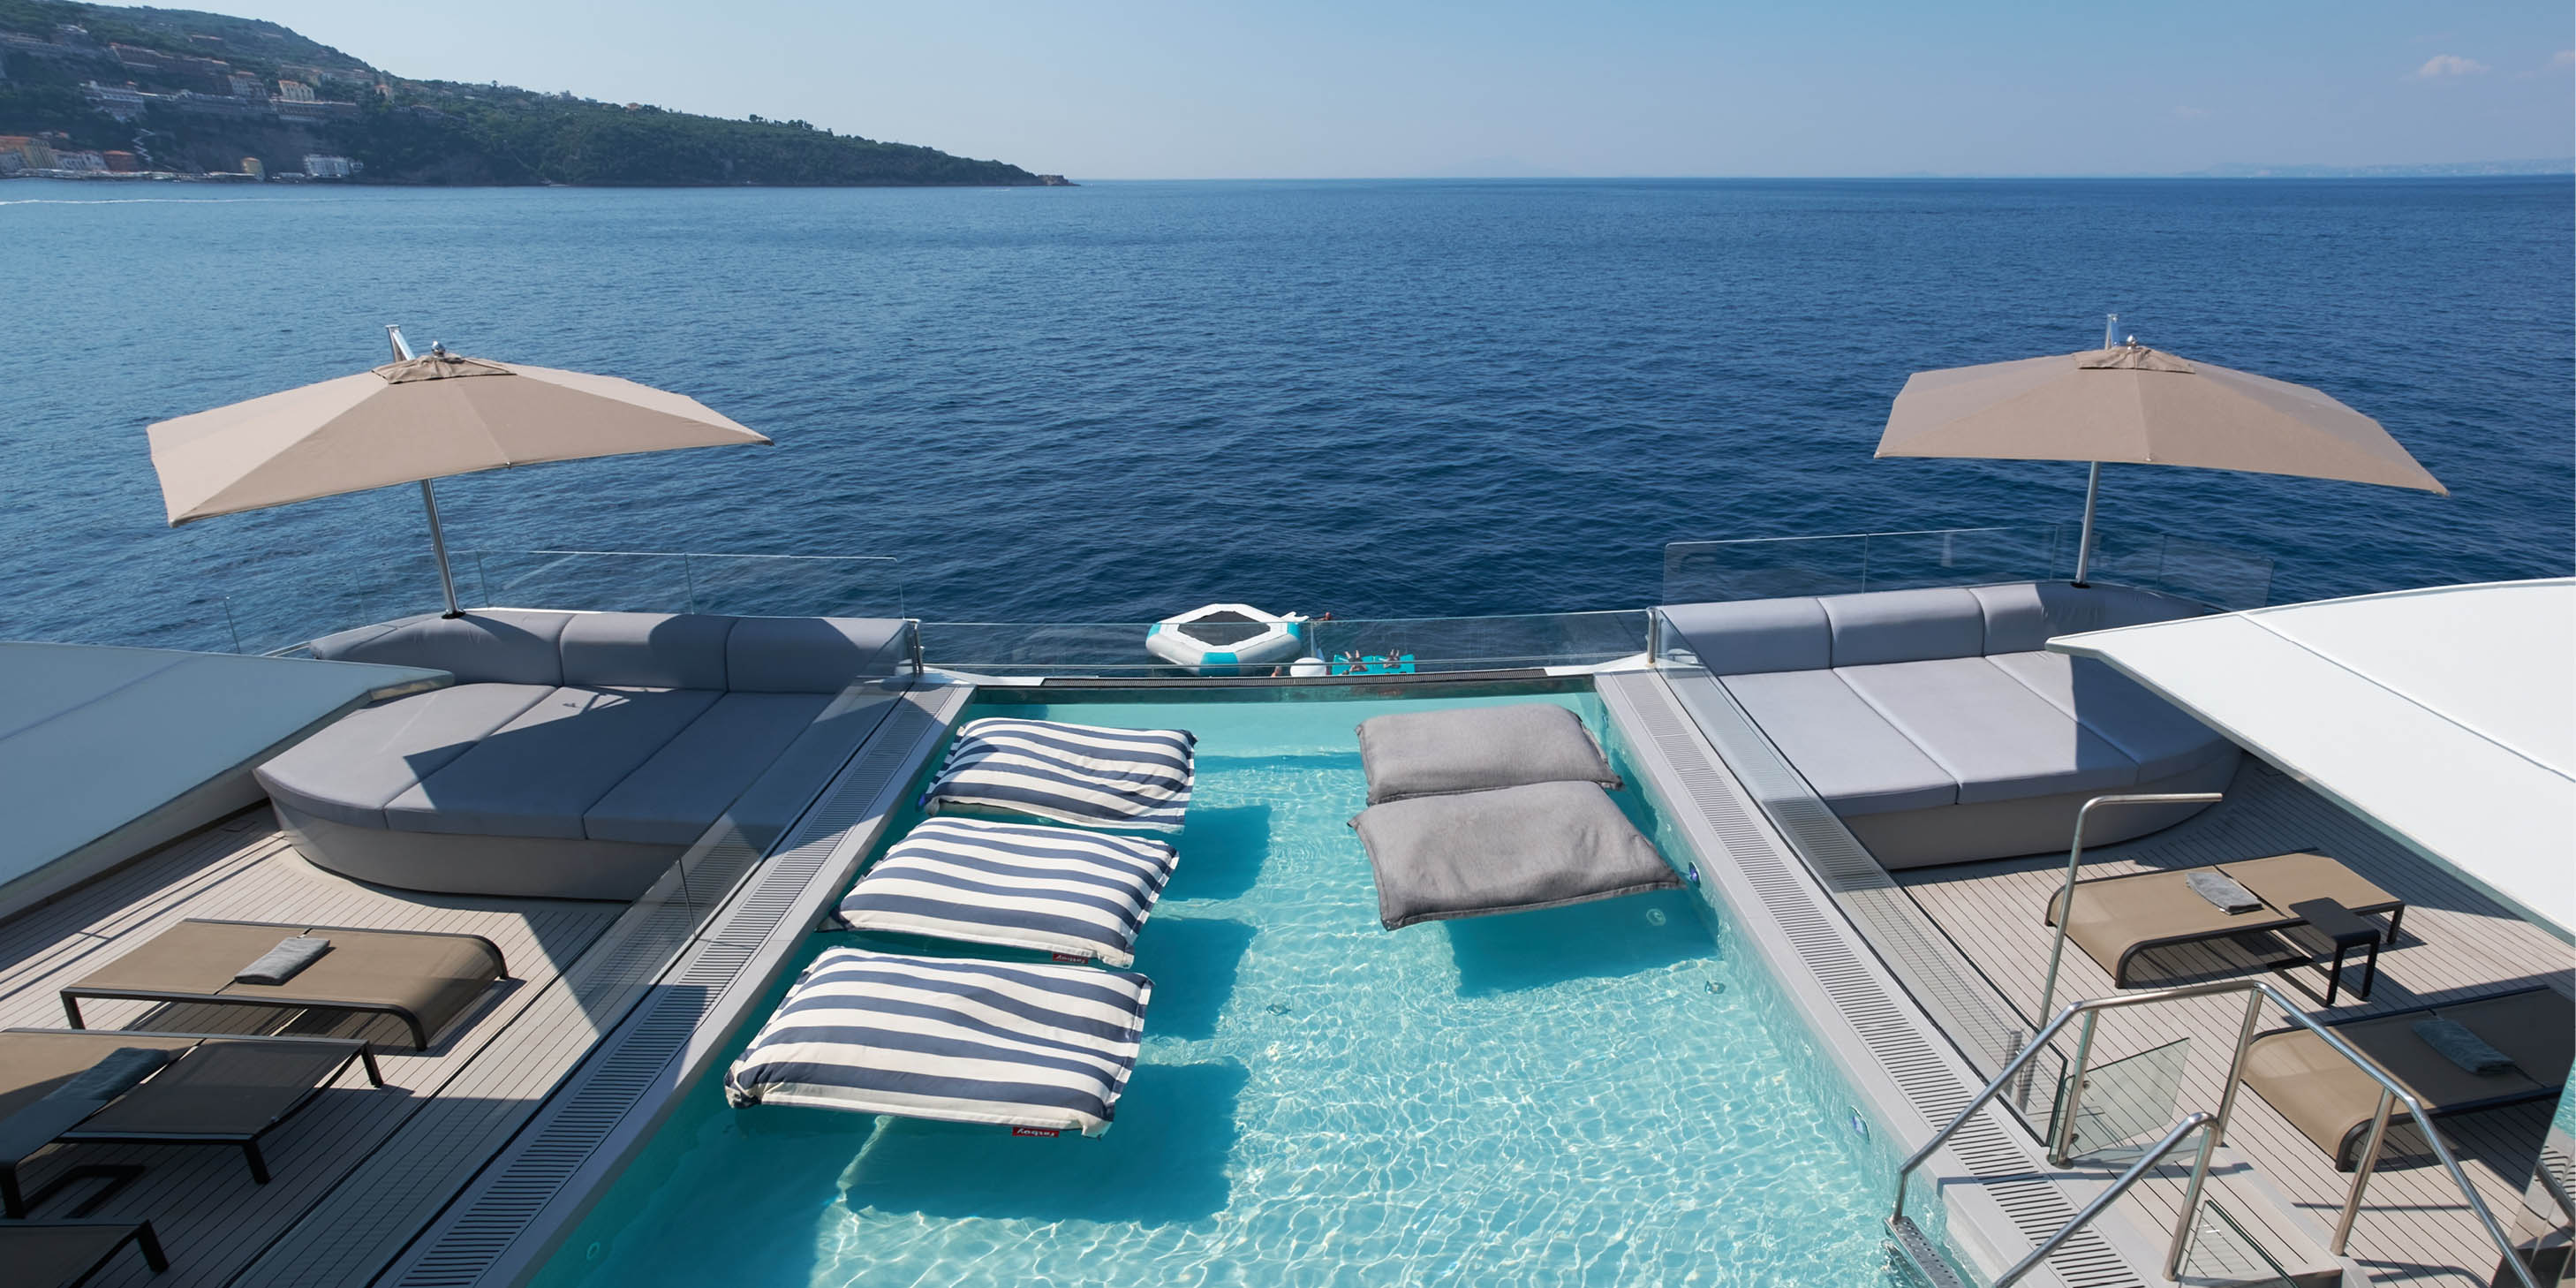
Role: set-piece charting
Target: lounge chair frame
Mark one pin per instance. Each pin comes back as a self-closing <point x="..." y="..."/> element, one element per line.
<point x="2347" y="1156"/>
<point x="2395" y="908"/>
<point x="14" y="1203"/>
<point x="73" y="993"/>
<point x="138" y="1233"/>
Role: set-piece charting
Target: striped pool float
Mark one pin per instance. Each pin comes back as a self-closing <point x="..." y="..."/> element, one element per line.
<point x="1017" y="885"/>
<point x="1086" y="775"/>
<point x="1038" y="1048"/>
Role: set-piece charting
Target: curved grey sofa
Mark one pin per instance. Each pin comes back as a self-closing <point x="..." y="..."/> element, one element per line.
<point x="578" y="754"/>
<point x="1937" y="727"/>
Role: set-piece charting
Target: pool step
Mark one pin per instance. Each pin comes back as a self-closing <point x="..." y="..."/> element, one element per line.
<point x="1927" y="1261"/>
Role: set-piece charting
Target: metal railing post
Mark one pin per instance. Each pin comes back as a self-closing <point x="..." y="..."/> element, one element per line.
<point x="2236" y="1065"/>
<point x="2103" y="1200"/>
<point x="2188" y="1220"/>
<point x="2063" y="1147"/>
<point x="2368" y="1163"/>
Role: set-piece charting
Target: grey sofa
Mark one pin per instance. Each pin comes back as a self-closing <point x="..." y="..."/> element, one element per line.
<point x="1937" y="727"/>
<point x="578" y="754"/>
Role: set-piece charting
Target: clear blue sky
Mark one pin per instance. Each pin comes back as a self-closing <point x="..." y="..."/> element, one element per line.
<point x="1163" y="89"/>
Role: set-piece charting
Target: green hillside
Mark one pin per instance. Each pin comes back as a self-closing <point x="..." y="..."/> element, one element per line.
<point x="195" y="92"/>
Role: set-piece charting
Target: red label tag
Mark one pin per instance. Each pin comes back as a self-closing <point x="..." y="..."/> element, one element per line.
<point x="1069" y="958"/>
<point x="1035" y="1131"/>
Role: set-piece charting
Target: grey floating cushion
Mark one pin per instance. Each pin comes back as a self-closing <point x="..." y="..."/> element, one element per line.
<point x="2460" y="1045"/>
<point x="2222" y="891"/>
<point x="280" y="964"/>
<point x="118" y="1072"/>
<point x="1470" y="855"/>
<point x="1474" y="749"/>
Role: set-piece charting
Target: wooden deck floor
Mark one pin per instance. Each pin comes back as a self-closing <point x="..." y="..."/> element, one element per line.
<point x="209" y="1214"/>
<point x="2457" y="943"/>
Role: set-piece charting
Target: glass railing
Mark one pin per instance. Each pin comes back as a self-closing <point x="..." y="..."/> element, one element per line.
<point x="1354" y="648"/>
<point x="338" y="595"/>
<point x="654" y="581"/>
<point x="1848" y="563"/>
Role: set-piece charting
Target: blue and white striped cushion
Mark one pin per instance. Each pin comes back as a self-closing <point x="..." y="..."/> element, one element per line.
<point x="1017" y="885"/>
<point x="1024" y="1045"/>
<point x="1086" y="775"/>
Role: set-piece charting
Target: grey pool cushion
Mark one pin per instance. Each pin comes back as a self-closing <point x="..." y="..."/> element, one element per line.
<point x="1040" y="1048"/>
<point x="1079" y="895"/>
<point x="1476" y="749"/>
<point x="1543" y="845"/>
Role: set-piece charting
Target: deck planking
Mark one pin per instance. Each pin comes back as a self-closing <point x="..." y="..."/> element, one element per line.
<point x="211" y="1217"/>
<point x="2456" y="943"/>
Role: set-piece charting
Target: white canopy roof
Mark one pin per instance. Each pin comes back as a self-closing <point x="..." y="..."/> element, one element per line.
<point x="2447" y="717"/>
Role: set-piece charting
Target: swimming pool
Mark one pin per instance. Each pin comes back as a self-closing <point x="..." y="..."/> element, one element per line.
<point x="1597" y="1095"/>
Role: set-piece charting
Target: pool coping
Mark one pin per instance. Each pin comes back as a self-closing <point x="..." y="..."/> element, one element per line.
<point x="2001" y="1197"/>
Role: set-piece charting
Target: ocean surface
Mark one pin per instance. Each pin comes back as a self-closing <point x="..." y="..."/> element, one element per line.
<point x="1118" y="401"/>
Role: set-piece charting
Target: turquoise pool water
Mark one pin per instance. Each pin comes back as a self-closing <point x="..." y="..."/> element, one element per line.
<point x="1599" y="1095"/>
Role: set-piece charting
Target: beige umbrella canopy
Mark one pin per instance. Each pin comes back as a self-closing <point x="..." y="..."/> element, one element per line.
<point x="413" y="420"/>
<point x="2129" y="403"/>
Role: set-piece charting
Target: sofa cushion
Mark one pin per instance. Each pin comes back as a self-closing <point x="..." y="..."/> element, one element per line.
<point x="540" y="773"/>
<point x="2022" y="616"/>
<point x="492" y="646"/>
<point x="2146" y="728"/>
<point x="811" y="654"/>
<point x="1989" y="731"/>
<point x="1904" y="626"/>
<point x="672" y="797"/>
<point x="1746" y="636"/>
<point x="348" y="771"/>
<point x="645" y="650"/>
<point x="1853" y="758"/>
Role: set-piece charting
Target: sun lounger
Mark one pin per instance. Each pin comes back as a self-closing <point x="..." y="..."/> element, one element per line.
<point x="2118" y="918"/>
<point x="1036" y="1047"/>
<point x="65" y="1254"/>
<point x="214" y="1090"/>
<point x="2332" y="1102"/>
<point x="422" y="978"/>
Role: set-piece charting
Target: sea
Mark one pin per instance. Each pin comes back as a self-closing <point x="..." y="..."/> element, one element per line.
<point x="1113" y="402"/>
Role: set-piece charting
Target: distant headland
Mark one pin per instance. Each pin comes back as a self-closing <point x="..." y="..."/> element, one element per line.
<point x="108" y="92"/>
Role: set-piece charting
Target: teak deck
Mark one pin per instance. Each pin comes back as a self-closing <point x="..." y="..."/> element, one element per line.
<point x="2456" y="943"/>
<point x="209" y="1214"/>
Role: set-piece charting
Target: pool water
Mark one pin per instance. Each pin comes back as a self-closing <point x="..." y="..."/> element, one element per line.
<point x="1596" y="1095"/>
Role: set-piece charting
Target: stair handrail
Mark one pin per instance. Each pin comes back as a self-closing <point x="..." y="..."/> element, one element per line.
<point x="2391" y="1094"/>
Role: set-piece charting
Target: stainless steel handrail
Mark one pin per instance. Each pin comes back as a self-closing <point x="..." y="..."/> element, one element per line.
<point x="2189" y="1124"/>
<point x="2257" y="991"/>
<point x="2075" y="860"/>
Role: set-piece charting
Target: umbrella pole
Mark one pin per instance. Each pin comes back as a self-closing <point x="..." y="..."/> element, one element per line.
<point x="2083" y="543"/>
<point x="438" y="547"/>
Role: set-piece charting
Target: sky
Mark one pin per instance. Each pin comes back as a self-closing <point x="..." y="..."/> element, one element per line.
<point x="1144" y="89"/>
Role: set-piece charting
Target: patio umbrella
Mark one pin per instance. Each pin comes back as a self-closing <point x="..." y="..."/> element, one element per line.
<point x="2129" y="403"/>
<point x="415" y="419"/>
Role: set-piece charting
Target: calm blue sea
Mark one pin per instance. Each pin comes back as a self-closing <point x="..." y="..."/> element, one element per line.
<point x="1383" y="399"/>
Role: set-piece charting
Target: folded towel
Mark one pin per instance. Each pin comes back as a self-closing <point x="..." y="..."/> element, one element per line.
<point x="280" y="964"/>
<point x="2461" y="1046"/>
<point x="114" y="1075"/>
<point x="2222" y="890"/>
